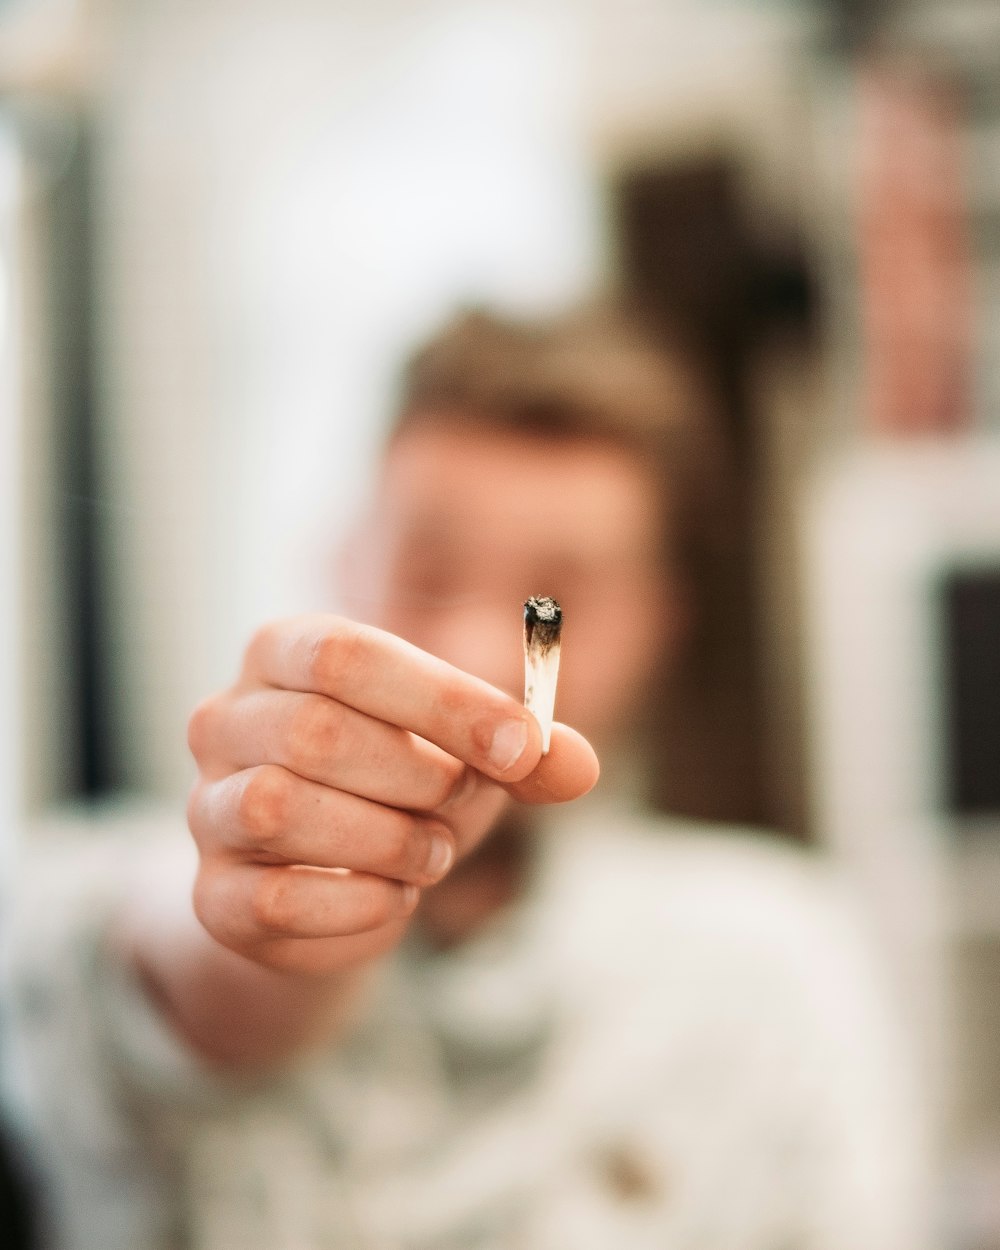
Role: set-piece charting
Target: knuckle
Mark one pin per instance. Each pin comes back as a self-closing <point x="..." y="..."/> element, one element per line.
<point x="313" y="731"/>
<point x="261" y="641"/>
<point x="265" y="803"/>
<point x="377" y="904"/>
<point x="398" y="843"/>
<point x="448" y="783"/>
<point x="454" y="703"/>
<point x="204" y="900"/>
<point x="294" y="955"/>
<point x="196" y="816"/>
<point x="336" y="655"/>
<point x="203" y="726"/>
<point x="272" y="904"/>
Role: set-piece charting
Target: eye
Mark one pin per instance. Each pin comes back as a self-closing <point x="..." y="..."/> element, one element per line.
<point x="428" y="580"/>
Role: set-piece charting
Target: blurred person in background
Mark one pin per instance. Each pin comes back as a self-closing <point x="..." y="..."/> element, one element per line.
<point x="417" y="1003"/>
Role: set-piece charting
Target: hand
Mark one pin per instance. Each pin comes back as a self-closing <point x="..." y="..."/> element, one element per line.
<point x="343" y="772"/>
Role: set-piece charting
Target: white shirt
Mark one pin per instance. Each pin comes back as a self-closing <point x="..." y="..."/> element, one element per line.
<point x="678" y="1039"/>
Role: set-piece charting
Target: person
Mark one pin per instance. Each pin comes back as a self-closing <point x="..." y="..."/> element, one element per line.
<point x="427" y="995"/>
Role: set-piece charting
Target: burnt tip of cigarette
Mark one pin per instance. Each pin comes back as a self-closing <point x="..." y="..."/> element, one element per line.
<point x="542" y="622"/>
<point x="541" y="610"/>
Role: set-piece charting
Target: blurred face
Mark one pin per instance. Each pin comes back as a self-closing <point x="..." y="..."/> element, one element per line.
<point x="468" y="523"/>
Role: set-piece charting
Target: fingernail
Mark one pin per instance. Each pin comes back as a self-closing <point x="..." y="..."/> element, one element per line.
<point x="508" y="744"/>
<point x="411" y="896"/>
<point x="440" y="856"/>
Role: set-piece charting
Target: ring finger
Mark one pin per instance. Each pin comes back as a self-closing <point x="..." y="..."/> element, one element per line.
<point x="271" y="815"/>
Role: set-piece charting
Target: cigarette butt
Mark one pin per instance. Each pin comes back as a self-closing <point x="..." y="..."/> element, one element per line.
<point x="542" y="637"/>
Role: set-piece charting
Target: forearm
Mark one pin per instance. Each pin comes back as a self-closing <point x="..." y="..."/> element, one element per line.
<point x="234" y="1013"/>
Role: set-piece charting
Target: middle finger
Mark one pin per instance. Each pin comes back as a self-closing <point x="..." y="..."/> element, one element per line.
<point x="270" y="815"/>
<point x="335" y="745"/>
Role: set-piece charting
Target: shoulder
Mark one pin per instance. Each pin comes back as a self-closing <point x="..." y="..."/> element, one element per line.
<point x="692" y="874"/>
<point x="674" y="899"/>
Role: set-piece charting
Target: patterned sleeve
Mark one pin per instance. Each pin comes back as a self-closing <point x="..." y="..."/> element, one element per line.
<point x="100" y="1084"/>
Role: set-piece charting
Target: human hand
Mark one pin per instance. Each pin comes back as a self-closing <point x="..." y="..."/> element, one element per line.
<point x="342" y="773"/>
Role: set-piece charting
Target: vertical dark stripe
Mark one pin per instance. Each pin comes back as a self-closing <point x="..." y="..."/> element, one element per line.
<point x="77" y="481"/>
<point x="971" y="606"/>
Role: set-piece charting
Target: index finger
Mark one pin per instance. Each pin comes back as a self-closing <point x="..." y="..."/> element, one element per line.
<point x="391" y="680"/>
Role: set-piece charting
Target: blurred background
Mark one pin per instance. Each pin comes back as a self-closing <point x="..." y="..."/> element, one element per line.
<point x="222" y="223"/>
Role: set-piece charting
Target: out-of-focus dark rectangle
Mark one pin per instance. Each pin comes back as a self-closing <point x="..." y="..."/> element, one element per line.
<point x="971" y="666"/>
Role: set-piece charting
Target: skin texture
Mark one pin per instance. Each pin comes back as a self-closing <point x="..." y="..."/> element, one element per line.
<point x="352" y="765"/>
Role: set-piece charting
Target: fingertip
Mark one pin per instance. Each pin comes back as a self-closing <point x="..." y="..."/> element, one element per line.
<point x="584" y="758"/>
<point x="513" y="748"/>
<point x="570" y="770"/>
